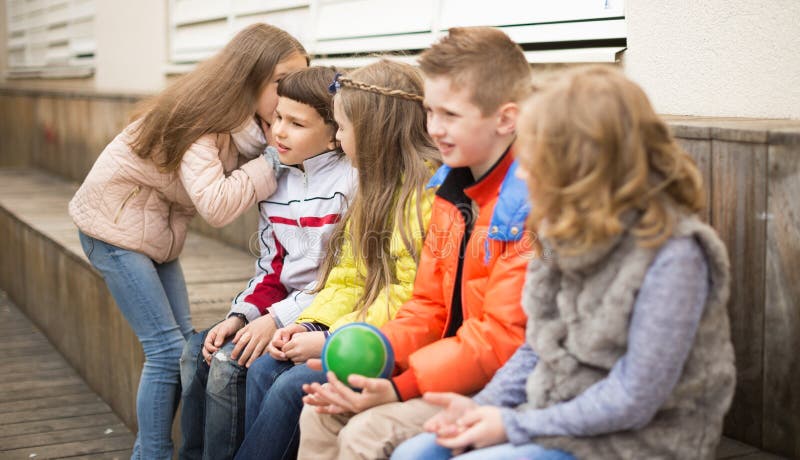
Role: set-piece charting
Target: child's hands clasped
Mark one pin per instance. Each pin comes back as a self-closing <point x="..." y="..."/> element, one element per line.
<point x="335" y="397"/>
<point x="463" y="423"/>
<point x="282" y="337"/>
<point x="304" y="346"/>
<point x="251" y="341"/>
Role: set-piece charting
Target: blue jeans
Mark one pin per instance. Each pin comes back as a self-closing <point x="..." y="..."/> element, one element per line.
<point x="153" y="299"/>
<point x="424" y="446"/>
<point x="212" y="417"/>
<point x="274" y="402"/>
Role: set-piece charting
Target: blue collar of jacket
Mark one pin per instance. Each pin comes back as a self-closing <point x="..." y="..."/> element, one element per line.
<point x="511" y="210"/>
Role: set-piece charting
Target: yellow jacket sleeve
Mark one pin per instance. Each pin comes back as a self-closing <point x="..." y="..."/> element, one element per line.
<point x="341" y="291"/>
<point x="337" y="307"/>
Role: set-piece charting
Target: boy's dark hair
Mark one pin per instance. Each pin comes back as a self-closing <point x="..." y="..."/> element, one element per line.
<point x="310" y="86"/>
<point x="482" y="59"/>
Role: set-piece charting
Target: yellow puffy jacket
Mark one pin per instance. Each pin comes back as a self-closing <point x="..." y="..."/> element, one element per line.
<point x="334" y="306"/>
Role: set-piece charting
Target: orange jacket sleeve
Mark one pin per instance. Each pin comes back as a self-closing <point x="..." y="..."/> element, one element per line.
<point x="484" y="342"/>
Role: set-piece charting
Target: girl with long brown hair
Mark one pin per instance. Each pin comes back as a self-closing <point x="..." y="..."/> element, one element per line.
<point x="195" y="148"/>
<point x="371" y="263"/>
<point x="628" y="352"/>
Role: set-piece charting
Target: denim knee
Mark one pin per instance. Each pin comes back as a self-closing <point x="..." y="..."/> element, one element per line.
<point x="191" y="358"/>
<point x="165" y="352"/>
<point x="421" y="446"/>
<point x="223" y="370"/>
<point x="263" y="372"/>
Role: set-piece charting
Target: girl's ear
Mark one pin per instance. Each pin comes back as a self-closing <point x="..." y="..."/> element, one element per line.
<point x="507" y="118"/>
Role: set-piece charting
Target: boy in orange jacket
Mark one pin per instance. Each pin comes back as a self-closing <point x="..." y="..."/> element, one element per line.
<point x="464" y="319"/>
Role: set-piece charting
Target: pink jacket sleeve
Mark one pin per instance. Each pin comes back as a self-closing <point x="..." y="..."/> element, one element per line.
<point x="219" y="197"/>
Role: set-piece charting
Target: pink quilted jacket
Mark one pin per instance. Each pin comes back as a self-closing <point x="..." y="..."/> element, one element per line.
<point x="126" y="201"/>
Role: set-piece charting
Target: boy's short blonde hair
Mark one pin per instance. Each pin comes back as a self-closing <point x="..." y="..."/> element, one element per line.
<point x="483" y="60"/>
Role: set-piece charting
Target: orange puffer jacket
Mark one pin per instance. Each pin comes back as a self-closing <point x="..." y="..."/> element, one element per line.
<point x="495" y="259"/>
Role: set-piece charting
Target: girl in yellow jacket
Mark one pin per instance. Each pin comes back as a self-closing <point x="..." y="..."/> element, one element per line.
<point x="370" y="268"/>
<point x="196" y="148"/>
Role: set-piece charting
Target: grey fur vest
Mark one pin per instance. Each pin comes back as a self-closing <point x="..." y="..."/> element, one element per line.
<point x="579" y="310"/>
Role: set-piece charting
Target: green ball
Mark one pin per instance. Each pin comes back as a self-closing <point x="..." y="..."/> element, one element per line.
<point x="358" y="348"/>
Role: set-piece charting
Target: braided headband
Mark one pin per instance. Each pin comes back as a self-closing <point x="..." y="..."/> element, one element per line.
<point x="339" y="82"/>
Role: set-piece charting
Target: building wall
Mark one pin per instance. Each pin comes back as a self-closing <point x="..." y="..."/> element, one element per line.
<point x="131" y="45"/>
<point x="3" y="37"/>
<point x="730" y="58"/>
<point x="131" y="52"/>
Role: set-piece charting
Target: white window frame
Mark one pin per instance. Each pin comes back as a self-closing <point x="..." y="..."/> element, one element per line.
<point x="50" y="38"/>
<point x="350" y="33"/>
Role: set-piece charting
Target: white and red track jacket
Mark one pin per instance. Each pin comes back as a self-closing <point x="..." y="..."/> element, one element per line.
<point x="295" y="224"/>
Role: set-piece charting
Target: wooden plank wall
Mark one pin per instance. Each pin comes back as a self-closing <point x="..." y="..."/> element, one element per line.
<point x="782" y="302"/>
<point x="16" y="122"/>
<point x="752" y="169"/>
<point x="739" y="204"/>
<point x="64" y="132"/>
<point x="752" y="172"/>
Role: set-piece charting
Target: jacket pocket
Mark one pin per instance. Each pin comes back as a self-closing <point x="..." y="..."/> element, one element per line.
<point x="128" y="198"/>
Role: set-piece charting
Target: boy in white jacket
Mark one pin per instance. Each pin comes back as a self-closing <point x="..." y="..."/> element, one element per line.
<point x="294" y="228"/>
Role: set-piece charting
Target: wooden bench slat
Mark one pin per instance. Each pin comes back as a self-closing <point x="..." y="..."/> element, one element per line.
<point x="45" y="392"/>
<point x="71" y="449"/>
<point x="116" y="455"/>
<point x="52" y="402"/>
<point x="57" y="424"/>
<point x="64" y="436"/>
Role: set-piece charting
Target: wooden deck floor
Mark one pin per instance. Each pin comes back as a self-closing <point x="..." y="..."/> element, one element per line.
<point x="46" y="410"/>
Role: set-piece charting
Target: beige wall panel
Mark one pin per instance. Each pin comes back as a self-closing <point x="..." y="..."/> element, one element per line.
<point x="131" y="42"/>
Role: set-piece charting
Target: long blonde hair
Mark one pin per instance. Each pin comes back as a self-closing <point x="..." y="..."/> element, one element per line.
<point x="594" y="150"/>
<point x="394" y="157"/>
<point x="217" y="97"/>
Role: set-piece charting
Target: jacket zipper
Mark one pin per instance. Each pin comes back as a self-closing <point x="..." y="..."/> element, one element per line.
<point x="132" y="194"/>
<point x="171" y="231"/>
<point x="305" y="195"/>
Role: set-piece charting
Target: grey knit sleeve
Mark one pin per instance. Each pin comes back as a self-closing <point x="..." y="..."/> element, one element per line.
<point x="507" y="387"/>
<point x="664" y="321"/>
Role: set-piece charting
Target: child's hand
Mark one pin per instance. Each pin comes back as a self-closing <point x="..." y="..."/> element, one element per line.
<point x="219" y="334"/>
<point x="283" y="335"/>
<point x="335" y="397"/>
<point x="455" y="406"/>
<point x="304" y="346"/>
<point x="252" y="340"/>
<point x="479" y="428"/>
<point x="314" y="364"/>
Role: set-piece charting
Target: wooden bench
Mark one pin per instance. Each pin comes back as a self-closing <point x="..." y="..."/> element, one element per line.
<point x="45" y="272"/>
<point x="751" y="169"/>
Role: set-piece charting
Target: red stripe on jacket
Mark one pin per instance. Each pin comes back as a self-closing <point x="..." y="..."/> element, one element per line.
<point x="270" y="289"/>
<point x="306" y="221"/>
